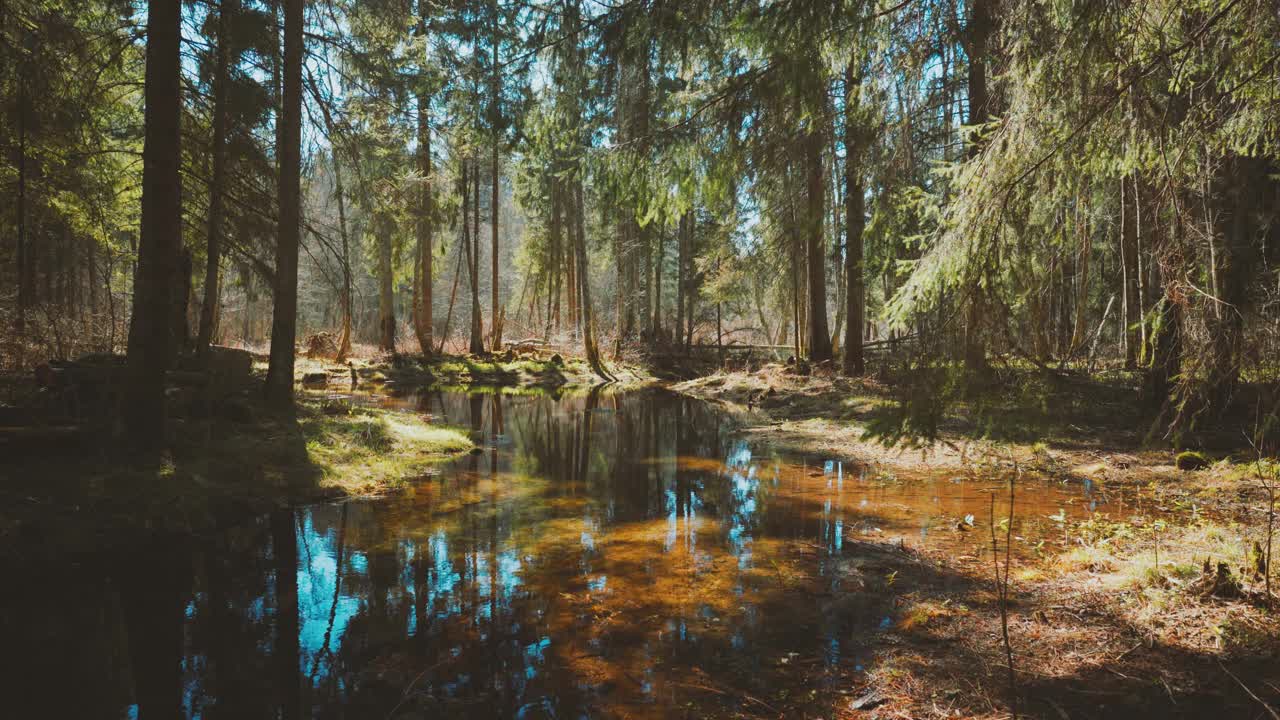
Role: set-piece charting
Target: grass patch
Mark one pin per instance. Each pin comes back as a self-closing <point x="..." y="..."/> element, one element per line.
<point x="367" y="451"/>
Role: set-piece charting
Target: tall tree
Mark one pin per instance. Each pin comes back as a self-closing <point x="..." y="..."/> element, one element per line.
<point x="819" y="339"/>
<point x="284" y="316"/>
<point x="425" y="219"/>
<point x="151" y="342"/>
<point x="217" y="184"/>
<point x="495" y="114"/>
<point x="855" y="140"/>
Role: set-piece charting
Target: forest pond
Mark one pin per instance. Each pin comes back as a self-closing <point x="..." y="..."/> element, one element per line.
<point x="604" y="554"/>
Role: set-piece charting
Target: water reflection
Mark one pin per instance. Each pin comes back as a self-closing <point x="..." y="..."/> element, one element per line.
<point x="604" y="555"/>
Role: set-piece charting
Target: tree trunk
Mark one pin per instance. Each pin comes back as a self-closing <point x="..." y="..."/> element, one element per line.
<point x="819" y="339"/>
<point x="657" y="284"/>
<point x="588" y="320"/>
<point x="855" y="214"/>
<point x="495" y="310"/>
<point x="213" y="253"/>
<point x="284" y="316"/>
<point x="424" y="288"/>
<point x="977" y="35"/>
<point x="477" y="322"/>
<point x="1132" y="306"/>
<point x="553" y="248"/>
<point x="344" y="340"/>
<point x="682" y="249"/>
<point x="25" y="284"/>
<point x="386" y="287"/>
<point x="151" y="342"/>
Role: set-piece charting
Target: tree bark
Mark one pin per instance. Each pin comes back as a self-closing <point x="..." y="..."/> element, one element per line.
<point x="1132" y="306"/>
<point x="495" y="310"/>
<point x="819" y="339"/>
<point x="284" y="315"/>
<point x="213" y="253"/>
<point x="588" y="320"/>
<point x="977" y="35"/>
<point x="386" y="286"/>
<point x="855" y="219"/>
<point x="424" y="288"/>
<point x="477" y="321"/>
<point x="151" y="341"/>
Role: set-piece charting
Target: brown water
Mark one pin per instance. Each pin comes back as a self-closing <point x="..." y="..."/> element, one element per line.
<point x="606" y="555"/>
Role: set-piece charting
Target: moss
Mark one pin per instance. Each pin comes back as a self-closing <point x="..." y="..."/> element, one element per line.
<point x="365" y="450"/>
<point x="1191" y="460"/>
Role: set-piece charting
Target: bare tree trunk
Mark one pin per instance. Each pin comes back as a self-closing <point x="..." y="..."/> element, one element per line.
<point x="151" y="342"/>
<point x="819" y="339"/>
<point x="855" y="214"/>
<point x="212" y="279"/>
<point x="386" y="287"/>
<point x="978" y="32"/>
<point x="344" y="340"/>
<point x="284" y="317"/>
<point x="588" y="321"/>
<point x="1131" y="307"/>
<point x="477" y="322"/>
<point x="423" y="289"/>
<point x="495" y="310"/>
<point x="25" y="284"/>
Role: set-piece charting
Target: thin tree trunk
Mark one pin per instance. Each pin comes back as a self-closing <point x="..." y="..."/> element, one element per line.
<point x="386" y="287"/>
<point x="344" y="341"/>
<point x="477" y="322"/>
<point x="213" y="253"/>
<point x="588" y="321"/>
<point x="855" y="213"/>
<point x="495" y="310"/>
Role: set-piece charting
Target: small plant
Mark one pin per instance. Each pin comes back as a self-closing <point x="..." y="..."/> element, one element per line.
<point x="1267" y="480"/>
<point x="1002" y="578"/>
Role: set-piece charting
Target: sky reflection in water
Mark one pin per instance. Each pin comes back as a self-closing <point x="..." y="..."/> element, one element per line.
<point x="613" y="554"/>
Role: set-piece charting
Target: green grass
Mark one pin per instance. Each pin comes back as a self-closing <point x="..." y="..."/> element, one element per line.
<point x="363" y="450"/>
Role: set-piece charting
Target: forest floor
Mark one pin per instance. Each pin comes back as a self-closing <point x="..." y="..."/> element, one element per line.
<point x="1098" y="627"/>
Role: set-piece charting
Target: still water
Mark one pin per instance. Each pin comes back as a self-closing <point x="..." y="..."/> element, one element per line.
<point x="603" y="555"/>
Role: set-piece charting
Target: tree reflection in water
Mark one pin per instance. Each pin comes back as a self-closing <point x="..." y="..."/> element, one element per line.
<point x="604" y="554"/>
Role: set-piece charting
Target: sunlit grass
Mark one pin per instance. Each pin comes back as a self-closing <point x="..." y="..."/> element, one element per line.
<point x="367" y="451"/>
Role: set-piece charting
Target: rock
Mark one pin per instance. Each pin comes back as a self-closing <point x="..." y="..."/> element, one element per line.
<point x="557" y="360"/>
<point x="1191" y="460"/>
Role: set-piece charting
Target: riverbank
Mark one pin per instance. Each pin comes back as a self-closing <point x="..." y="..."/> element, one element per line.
<point x="67" y="487"/>
<point x="68" y="498"/>
<point x="1156" y="600"/>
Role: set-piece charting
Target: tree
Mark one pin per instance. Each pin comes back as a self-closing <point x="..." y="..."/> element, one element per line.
<point x="279" y="387"/>
<point x="217" y="189"/>
<point x="426" y="210"/>
<point x="855" y="141"/>
<point x="151" y="343"/>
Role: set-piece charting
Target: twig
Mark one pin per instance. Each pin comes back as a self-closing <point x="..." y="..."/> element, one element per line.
<point x="1265" y="706"/>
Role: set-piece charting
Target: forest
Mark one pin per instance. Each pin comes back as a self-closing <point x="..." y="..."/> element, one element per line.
<point x="850" y="358"/>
